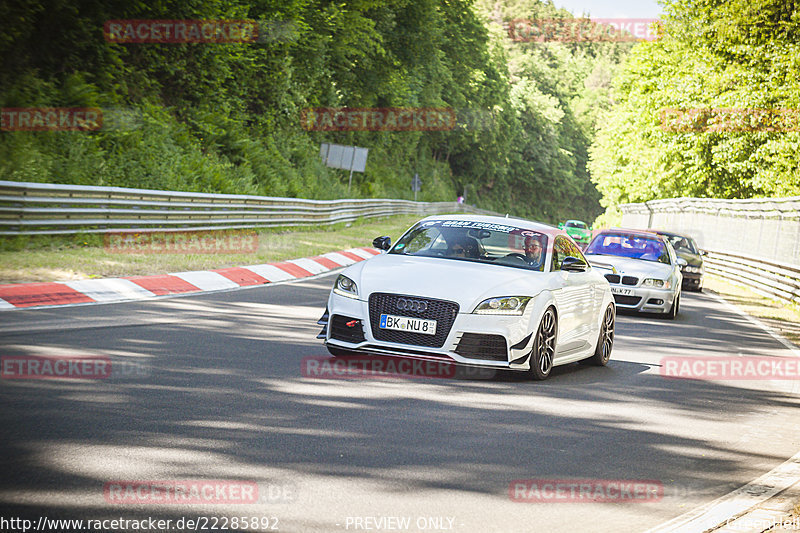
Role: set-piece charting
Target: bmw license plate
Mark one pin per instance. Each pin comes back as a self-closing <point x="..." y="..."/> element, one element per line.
<point x="621" y="291"/>
<point x="407" y="323"/>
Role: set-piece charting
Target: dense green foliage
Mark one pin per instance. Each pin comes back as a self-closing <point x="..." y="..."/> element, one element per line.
<point x="735" y="55"/>
<point x="226" y="117"/>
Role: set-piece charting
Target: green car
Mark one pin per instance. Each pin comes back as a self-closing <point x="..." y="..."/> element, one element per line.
<point x="579" y="231"/>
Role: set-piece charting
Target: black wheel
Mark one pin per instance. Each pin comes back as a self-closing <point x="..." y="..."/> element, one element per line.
<point x="676" y="303"/>
<point x="605" y="342"/>
<point x="340" y="352"/>
<point x="544" y="346"/>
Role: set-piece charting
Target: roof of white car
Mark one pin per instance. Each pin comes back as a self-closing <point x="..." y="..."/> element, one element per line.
<point x="505" y="221"/>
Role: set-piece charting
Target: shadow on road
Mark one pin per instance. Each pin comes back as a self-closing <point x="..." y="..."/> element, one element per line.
<point x="223" y="398"/>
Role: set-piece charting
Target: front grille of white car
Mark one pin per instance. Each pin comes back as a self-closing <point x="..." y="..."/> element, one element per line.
<point x="442" y="311"/>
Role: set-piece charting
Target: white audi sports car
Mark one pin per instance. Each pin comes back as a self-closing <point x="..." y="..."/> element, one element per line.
<point x="646" y="272"/>
<point x="490" y="292"/>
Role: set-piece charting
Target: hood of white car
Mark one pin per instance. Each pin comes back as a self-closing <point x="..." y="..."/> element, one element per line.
<point x="464" y="282"/>
<point x="627" y="266"/>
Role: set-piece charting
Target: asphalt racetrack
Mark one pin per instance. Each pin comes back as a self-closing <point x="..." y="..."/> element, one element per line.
<point x="211" y="390"/>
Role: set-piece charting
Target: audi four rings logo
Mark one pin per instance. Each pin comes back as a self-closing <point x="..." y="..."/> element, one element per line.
<point x="404" y="304"/>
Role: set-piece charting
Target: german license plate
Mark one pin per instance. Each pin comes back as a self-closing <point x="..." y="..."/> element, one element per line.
<point x="621" y="291"/>
<point x="407" y="323"/>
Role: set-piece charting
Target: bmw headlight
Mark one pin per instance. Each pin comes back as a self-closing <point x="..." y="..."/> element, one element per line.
<point x="692" y="269"/>
<point x="657" y="283"/>
<point x="345" y="287"/>
<point x="508" y="305"/>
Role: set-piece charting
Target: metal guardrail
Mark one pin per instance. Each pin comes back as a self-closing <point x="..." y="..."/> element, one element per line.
<point x="46" y="209"/>
<point x="768" y="278"/>
<point x="768" y="228"/>
<point x="753" y="242"/>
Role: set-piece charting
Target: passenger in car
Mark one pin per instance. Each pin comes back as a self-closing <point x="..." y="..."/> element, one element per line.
<point x="464" y="246"/>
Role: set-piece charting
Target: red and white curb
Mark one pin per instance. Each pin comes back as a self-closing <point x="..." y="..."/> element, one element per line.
<point x="90" y="291"/>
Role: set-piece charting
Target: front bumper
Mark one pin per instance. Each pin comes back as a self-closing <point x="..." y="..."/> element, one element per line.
<point x="487" y="341"/>
<point x="644" y="299"/>
<point x="692" y="281"/>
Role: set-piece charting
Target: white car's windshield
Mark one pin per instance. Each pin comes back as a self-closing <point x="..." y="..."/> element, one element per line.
<point x="475" y="241"/>
<point x="628" y="245"/>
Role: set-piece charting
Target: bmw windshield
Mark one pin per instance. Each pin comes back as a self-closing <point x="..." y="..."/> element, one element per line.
<point x="479" y="242"/>
<point x="628" y="245"/>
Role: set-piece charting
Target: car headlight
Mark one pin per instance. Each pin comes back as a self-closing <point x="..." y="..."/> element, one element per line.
<point x="508" y="305"/>
<point x="657" y="283"/>
<point x="692" y="269"/>
<point x="345" y="287"/>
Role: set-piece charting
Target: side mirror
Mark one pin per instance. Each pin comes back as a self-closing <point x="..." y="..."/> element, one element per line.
<point x="560" y="225"/>
<point x="682" y="262"/>
<point x="573" y="264"/>
<point x="382" y="243"/>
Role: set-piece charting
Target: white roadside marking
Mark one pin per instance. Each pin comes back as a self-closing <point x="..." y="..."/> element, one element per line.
<point x="338" y="258"/>
<point x="207" y="281"/>
<point x="724" y="509"/>
<point x="309" y="264"/>
<point x="360" y="253"/>
<point x="109" y="290"/>
<point x="270" y="272"/>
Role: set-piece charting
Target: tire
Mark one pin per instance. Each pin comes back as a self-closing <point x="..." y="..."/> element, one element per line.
<point x="673" y="311"/>
<point x="605" y="341"/>
<point x="544" y="347"/>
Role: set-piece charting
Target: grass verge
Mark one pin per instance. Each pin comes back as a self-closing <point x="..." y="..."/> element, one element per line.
<point x="39" y="259"/>
<point x="783" y="317"/>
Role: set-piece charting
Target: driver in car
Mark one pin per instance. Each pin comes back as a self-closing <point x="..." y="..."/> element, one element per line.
<point x="534" y="251"/>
